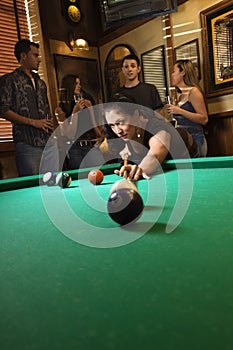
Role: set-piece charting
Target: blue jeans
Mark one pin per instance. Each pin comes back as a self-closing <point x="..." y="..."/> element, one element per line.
<point x="28" y="159"/>
<point x="202" y="144"/>
<point x="199" y="137"/>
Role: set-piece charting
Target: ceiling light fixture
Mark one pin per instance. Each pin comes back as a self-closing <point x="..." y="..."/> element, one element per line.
<point x="77" y="43"/>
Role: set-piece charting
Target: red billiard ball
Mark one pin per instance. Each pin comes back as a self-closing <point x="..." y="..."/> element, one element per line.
<point x="95" y="176"/>
<point x="63" y="180"/>
<point x="125" y="206"/>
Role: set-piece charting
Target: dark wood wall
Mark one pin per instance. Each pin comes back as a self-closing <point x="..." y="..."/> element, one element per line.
<point x="219" y="134"/>
<point x="56" y="26"/>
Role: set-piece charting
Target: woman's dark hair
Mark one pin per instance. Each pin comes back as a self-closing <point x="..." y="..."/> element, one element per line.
<point x="122" y="102"/>
<point x="67" y="89"/>
<point x="68" y="85"/>
<point x="126" y="103"/>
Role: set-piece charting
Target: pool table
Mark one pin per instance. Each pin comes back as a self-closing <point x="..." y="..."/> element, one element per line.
<point x="71" y="278"/>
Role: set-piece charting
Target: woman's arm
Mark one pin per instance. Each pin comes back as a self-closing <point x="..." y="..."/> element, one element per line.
<point x="197" y="100"/>
<point x="159" y="145"/>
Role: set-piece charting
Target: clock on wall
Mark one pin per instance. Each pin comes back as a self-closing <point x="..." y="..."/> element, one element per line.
<point x="70" y="10"/>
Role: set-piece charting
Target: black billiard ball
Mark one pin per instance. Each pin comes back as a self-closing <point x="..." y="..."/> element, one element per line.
<point x="49" y="178"/>
<point x="95" y="176"/>
<point x="124" y="183"/>
<point x="125" y="206"/>
<point x="63" y="180"/>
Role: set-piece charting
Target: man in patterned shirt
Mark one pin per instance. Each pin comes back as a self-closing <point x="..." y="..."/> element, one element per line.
<point x="24" y="102"/>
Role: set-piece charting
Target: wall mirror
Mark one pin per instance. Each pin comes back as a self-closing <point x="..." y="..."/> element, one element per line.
<point x="114" y="77"/>
<point x="86" y="69"/>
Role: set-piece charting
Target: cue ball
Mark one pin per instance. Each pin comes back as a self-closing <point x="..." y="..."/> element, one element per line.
<point x="63" y="180"/>
<point x="95" y="176"/>
<point x="123" y="184"/>
<point x="49" y="178"/>
<point x="125" y="206"/>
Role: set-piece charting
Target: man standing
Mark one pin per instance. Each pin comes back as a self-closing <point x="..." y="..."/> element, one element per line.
<point x="24" y="102"/>
<point x="143" y="93"/>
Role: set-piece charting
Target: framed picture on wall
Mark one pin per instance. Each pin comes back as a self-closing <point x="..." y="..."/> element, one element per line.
<point x="189" y="51"/>
<point x="217" y="35"/>
<point x="86" y="69"/>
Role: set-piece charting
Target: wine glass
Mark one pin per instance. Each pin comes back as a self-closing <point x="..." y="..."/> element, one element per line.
<point x="48" y="116"/>
<point x="173" y="96"/>
<point x="167" y="101"/>
<point x="78" y="97"/>
<point x="171" y="100"/>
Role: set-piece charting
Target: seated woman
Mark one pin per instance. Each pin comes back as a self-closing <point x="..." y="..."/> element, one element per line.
<point x="190" y="110"/>
<point x="149" y="137"/>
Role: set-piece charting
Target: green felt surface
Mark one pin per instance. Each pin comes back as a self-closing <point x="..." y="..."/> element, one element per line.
<point x="161" y="291"/>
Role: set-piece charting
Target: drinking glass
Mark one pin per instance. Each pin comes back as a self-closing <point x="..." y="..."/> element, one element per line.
<point x="171" y="100"/>
<point x="168" y="115"/>
<point x="78" y="97"/>
<point x="48" y="117"/>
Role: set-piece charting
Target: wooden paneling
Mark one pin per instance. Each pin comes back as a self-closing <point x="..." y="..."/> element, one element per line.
<point x="220" y="135"/>
<point x="7" y="161"/>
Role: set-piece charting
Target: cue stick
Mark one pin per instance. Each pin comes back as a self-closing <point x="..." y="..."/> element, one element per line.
<point x="125" y="153"/>
<point x="125" y="175"/>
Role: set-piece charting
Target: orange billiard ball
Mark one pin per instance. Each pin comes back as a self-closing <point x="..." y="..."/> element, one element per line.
<point x="95" y="176"/>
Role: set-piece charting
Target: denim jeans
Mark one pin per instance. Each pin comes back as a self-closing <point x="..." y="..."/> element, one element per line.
<point x="199" y="137"/>
<point x="28" y="159"/>
<point x="202" y="144"/>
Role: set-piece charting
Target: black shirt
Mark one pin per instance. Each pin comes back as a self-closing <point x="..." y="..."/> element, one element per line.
<point x="144" y="94"/>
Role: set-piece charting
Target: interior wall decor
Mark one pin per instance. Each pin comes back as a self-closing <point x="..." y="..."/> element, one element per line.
<point x="86" y="69"/>
<point x="77" y="42"/>
<point x="217" y="35"/>
<point x="114" y="78"/>
<point x="189" y="51"/>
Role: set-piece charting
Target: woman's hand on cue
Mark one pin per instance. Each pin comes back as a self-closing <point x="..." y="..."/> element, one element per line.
<point x="133" y="170"/>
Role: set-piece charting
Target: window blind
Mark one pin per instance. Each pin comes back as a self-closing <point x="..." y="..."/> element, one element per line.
<point x="154" y="71"/>
<point x="13" y="26"/>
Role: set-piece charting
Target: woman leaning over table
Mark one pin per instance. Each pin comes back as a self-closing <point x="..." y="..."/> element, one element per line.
<point x="147" y="139"/>
<point x="190" y="110"/>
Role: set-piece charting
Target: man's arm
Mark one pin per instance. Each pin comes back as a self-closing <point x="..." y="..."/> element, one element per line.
<point x="15" y="118"/>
